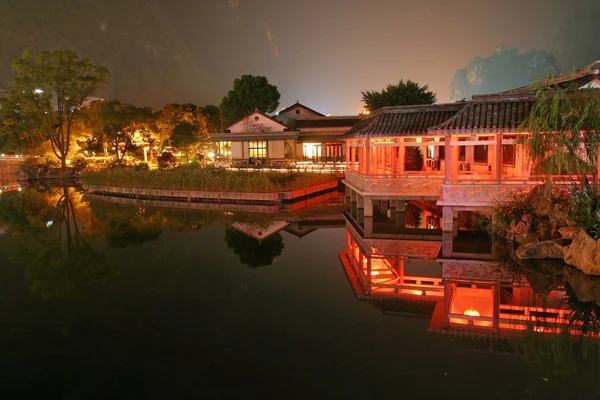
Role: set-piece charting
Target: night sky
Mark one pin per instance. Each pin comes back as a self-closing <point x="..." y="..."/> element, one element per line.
<point x="322" y="53"/>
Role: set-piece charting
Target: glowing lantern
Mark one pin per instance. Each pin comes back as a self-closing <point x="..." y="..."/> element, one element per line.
<point x="472" y="312"/>
<point x="418" y="293"/>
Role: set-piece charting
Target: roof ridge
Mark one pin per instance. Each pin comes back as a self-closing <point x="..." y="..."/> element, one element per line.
<point x="253" y="112"/>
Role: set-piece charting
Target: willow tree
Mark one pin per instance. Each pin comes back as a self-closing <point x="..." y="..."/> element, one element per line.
<point x="564" y="126"/>
<point x="49" y="90"/>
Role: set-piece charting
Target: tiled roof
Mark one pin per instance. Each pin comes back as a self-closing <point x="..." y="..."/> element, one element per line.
<point x="577" y="78"/>
<point x="327" y="122"/>
<point x="404" y="120"/>
<point x="495" y="113"/>
<point x="296" y="105"/>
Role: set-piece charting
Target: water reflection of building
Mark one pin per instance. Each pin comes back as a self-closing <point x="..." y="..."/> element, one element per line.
<point x="467" y="294"/>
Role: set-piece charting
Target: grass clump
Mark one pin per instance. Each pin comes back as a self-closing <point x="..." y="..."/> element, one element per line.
<point x="204" y="179"/>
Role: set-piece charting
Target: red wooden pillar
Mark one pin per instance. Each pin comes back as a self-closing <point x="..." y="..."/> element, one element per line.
<point x="349" y="151"/>
<point x="498" y="166"/>
<point x="367" y="157"/>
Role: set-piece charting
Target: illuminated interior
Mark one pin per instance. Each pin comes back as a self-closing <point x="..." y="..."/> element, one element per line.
<point x="472" y="302"/>
<point x="311" y="150"/>
<point x="476" y="304"/>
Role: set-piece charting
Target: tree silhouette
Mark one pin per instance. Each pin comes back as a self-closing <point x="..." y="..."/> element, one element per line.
<point x="249" y="93"/>
<point x="403" y="94"/>
<point x="252" y="252"/>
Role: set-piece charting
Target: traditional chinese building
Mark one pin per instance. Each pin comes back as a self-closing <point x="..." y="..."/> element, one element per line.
<point x="297" y="133"/>
<point x="465" y="156"/>
<point x="255" y="140"/>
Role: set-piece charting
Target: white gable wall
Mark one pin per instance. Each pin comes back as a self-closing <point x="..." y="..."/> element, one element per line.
<point x="256" y="122"/>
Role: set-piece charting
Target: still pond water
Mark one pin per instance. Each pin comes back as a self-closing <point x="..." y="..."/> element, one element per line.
<point x="105" y="300"/>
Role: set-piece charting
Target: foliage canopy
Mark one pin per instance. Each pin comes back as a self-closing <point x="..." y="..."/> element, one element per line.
<point x="402" y="94"/>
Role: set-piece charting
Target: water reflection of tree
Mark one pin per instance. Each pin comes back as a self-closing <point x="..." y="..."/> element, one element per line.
<point x="252" y="252"/>
<point x="51" y="246"/>
<point x="125" y="225"/>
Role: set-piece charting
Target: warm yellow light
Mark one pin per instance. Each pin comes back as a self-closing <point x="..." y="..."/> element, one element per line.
<point x="68" y="162"/>
<point x="375" y="273"/>
<point x="472" y="312"/>
<point x="418" y="292"/>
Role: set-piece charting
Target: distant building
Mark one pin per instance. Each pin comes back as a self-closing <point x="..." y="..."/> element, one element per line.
<point x="297" y="133"/>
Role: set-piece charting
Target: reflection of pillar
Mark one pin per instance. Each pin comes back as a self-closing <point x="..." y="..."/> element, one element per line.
<point x="369" y="269"/>
<point x="455" y="224"/>
<point x="368" y="227"/>
<point x="401" y="266"/>
<point x="384" y="206"/>
<point x="400" y="205"/>
<point x="447" y="301"/>
<point x="401" y="219"/>
<point x="368" y="206"/>
<point x="496" y="290"/>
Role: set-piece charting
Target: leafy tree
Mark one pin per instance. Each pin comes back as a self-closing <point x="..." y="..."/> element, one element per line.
<point x="213" y="118"/>
<point x="18" y="135"/>
<point x="48" y="93"/>
<point x="249" y="93"/>
<point x="504" y="70"/>
<point x="119" y="125"/>
<point x="182" y="125"/>
<point x="565" y="132"/>
<point x="252" y="252"/>
<point x="402" y="94"/>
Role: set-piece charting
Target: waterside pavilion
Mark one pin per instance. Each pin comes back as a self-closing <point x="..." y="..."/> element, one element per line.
<point x="465" y="156"/>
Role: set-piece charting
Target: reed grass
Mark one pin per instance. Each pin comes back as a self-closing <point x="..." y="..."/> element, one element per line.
<point x="204" y="179"/>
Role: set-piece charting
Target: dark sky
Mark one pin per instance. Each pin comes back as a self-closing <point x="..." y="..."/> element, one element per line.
<point x="322" y="53"/>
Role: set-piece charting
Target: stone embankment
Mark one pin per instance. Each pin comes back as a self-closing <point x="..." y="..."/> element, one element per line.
<point x="195" y="195"/>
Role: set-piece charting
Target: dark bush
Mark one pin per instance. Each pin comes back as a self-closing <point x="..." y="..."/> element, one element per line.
<point x="79" y="164"/>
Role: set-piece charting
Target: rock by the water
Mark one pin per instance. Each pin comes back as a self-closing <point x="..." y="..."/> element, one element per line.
<point x="584" y="253"/>
<point x="522" y="233"/>
<point x="568" y="232"/>
<point x="547" y="250"/>
<point x="559" y="215"/>
<point x="542" y="199"/>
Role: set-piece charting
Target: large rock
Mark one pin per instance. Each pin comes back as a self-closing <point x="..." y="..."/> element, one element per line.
<point x="568" y="232"/>
<point x="548" y="250"/>
<point x="584" y="253"/>
<point x="559" y="215"/>
<point x="542" y="199"/>
<point x="523" y="231"/>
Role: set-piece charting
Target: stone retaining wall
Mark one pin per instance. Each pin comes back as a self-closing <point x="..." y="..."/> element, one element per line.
<point x="272" y="197"/>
